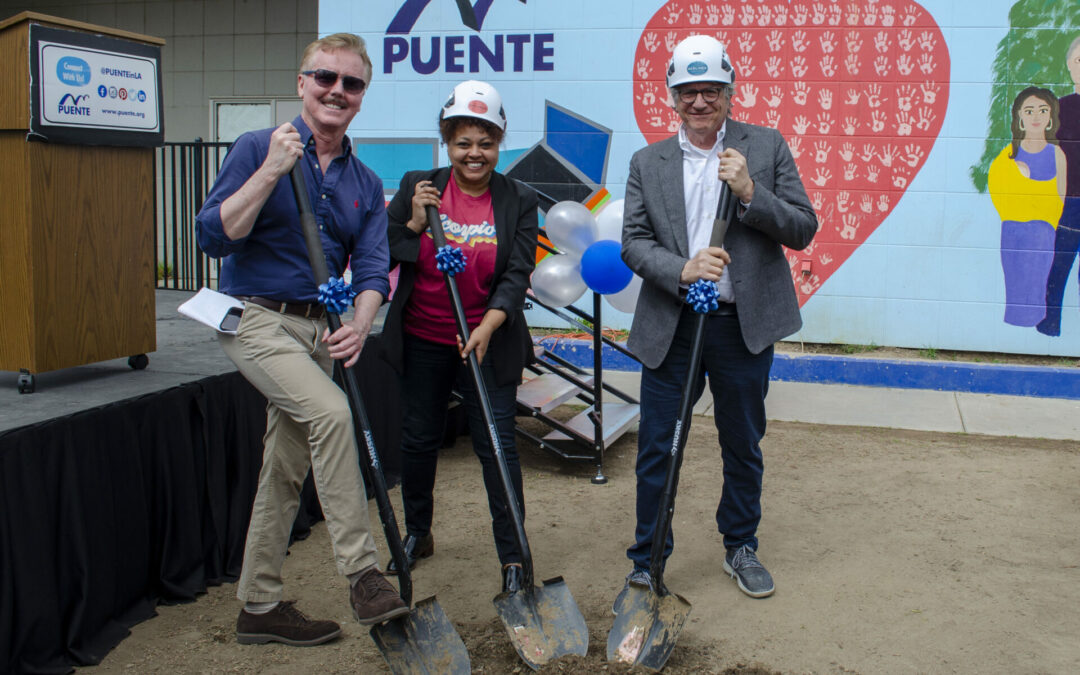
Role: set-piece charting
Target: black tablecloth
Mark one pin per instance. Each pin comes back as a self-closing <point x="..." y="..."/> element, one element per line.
<point x="109" y="511"/>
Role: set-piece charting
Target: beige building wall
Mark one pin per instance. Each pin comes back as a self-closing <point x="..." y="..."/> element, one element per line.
<point x="214" y="49"/>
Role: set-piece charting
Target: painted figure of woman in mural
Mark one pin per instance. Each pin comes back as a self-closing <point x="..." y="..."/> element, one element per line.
<point x="1027" y="184"/>
<point x="1067" y="237"/>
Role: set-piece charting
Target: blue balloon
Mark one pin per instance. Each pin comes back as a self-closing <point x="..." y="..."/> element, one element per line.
<point x="602" y="268"/>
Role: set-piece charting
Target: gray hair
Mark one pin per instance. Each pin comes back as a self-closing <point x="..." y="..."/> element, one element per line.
<point x="1072" y="47"/>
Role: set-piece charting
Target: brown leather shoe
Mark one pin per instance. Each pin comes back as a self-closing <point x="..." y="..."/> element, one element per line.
<point x="284" y="623"/>
<point x="374" y="600"/>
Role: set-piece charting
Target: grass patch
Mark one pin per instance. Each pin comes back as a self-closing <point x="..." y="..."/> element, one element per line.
<point x="928" y="353"/>
<point x="858" y="349"/>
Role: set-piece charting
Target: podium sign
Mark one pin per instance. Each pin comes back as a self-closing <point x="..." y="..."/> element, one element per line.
<point x="76" y="212"/>
<point x="91" y="89"/>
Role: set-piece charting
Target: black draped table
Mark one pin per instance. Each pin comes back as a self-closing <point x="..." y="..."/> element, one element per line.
<point x="109" y="511"/>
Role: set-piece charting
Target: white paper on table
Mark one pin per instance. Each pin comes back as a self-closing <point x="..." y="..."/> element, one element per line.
<point x="210" y="308"/>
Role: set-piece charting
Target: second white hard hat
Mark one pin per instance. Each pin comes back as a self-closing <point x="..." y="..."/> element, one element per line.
<point x="699" y="58"/>
<point x="473" y="98"/>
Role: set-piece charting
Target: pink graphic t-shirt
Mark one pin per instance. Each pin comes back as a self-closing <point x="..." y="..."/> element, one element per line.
<point x="469" y="224"/>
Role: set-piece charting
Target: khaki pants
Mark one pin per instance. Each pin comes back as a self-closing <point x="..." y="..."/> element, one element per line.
<point x="308" y="423"/>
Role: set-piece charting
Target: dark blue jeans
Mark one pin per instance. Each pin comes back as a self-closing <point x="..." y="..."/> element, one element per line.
<point x="432" y="371"/>
<point x="1066" y="247"/>
<point x="739" y="381"/>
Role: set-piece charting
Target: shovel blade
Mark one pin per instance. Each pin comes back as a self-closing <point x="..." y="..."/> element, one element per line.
<point x="422" y="643"/>
<point x="646" y="627"/>
<point x="543" y="624"/>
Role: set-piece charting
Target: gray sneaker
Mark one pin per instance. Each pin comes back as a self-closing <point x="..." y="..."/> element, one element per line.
<point x="640" y="578"/>
<point x="743" y="565"/>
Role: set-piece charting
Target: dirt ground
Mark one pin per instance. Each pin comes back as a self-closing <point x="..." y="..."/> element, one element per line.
<point x="893" y="552"/>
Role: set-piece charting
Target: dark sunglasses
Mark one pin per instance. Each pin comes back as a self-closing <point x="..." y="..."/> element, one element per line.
<point x="327" y="78"/>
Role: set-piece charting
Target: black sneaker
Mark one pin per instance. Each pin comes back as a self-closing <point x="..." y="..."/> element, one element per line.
<point x="284" y="623"/>
<point x="513" y="577"/>
<point x="743" y="565"/>
<point x="415" y="548"/>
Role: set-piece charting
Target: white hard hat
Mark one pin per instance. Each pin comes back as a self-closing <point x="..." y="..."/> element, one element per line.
<point x="699" y="58"/>
<point x="473" y="98"/>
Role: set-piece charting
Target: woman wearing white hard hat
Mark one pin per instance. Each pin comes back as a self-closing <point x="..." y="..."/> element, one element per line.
<point x="493" y="219"/>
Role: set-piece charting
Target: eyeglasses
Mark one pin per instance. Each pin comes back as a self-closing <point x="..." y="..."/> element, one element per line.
<point x="711" y="94"/>
<point x="327" y="78"/>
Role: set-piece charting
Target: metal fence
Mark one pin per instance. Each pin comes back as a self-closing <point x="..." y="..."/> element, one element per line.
<point x="183" y="174"/>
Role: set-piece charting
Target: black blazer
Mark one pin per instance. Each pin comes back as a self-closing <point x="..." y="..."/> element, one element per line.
<point x="514" y="205"/>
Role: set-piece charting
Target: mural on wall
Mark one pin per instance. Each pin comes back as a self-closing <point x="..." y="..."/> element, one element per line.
<point x="858" y="89"/>
<point x="882" y="102"/>
<point x="1034" y="180"/>
<point x="1027" y="184"/>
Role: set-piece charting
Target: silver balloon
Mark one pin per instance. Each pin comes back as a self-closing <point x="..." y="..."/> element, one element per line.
<point x="556" y="281"/>
<point x="609" y="221"/>
<point x="571" y="227"/>
<point x="626" y="299"/>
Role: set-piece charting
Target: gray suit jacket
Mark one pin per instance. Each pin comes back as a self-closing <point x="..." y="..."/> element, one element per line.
<point x="654" y="241"/>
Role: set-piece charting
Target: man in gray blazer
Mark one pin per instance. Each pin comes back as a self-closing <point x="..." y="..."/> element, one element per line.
<point x="671" y="201"/>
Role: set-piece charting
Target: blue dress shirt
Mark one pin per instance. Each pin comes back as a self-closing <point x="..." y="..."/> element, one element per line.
<point x="271" y="261"/>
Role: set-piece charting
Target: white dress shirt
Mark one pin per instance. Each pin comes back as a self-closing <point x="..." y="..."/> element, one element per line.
<point x="701" y="193"/>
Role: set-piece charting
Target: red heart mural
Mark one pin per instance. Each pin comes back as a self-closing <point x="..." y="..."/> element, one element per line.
<point x="859" y="90"/>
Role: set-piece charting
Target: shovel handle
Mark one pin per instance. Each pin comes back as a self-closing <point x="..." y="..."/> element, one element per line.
<point x="510" y="497"/>
<point x="725" y="211"/>
<point x="361" y="425"/>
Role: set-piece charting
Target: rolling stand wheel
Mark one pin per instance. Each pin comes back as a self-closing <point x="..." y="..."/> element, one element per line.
<point x="138" y="362"/>
<point x="26" y="382"/>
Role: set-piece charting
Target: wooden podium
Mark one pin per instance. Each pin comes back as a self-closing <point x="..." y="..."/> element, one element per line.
<point x="77" y="270"/>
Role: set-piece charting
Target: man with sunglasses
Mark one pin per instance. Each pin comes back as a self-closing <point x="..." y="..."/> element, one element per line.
<point x="282" y="345"/>
<point x="672" y="194"/>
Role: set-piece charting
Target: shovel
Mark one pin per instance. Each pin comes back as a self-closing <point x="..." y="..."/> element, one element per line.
<point x="543" y="623"/>
<point x="648" y="620"/>
<point x="424" y="641"/>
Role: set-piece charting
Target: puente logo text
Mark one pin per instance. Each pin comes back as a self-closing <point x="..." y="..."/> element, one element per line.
<point x="463" y="53"/>
<point x="71" y="104"/>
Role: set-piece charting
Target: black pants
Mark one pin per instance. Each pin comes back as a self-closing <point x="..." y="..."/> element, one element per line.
<point x="1066" y="248"/>
<point x="739" y="382"/>
<point x="432" y="371"/>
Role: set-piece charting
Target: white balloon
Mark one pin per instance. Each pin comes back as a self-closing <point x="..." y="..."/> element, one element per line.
<point x="626" y="299"/>
<point x="609" y="221"/>
<point x="571" y="227"/>
<point x="557" y="281"/>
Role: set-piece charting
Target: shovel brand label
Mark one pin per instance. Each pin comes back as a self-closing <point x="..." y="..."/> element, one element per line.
<point x="678" y="435"/>
<point x="631" y="645"/>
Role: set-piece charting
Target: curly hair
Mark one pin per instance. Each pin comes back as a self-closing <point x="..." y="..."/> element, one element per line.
<point x="449" y="128"/>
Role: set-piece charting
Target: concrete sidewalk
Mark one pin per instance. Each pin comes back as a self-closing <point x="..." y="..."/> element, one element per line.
<point x="188" y="351"/>
<point x="916" y="409"/>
